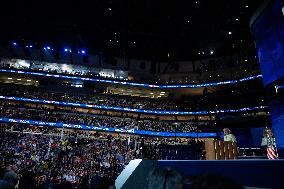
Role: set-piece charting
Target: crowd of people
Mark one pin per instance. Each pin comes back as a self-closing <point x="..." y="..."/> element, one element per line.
<point x="9" y="111"/>
<point x="197" y="103"/>
<point x="52" y="160"/>
<point x="105" y="100"/>
<point x="89" y="134"/>
<point x="45" y="157"/>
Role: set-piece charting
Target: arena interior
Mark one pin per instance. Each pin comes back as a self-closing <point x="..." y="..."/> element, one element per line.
<point x="142" y="94"/>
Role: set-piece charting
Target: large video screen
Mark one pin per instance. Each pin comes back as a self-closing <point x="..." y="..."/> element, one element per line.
<point x="268" y="31"/>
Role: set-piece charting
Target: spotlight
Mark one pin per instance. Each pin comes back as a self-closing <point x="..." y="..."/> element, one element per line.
<point x="14" y="44"/>
<point x="47" y="48"/>
<point x="67" y="50"/>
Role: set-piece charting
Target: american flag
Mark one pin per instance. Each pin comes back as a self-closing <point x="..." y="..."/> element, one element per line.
<point x="271" y="150"/>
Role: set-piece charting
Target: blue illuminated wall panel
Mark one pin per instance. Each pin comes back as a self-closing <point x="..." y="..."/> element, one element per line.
<point x="268" y="31"/>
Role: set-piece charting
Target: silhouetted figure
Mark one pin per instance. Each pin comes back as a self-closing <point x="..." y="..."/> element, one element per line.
<point x="214" y="181"/>
<point x="164" y="179"/>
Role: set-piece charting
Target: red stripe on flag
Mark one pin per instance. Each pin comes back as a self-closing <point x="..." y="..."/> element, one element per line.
<point x="271" y="153"/>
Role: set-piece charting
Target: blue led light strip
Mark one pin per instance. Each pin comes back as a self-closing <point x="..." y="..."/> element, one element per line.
<point x="131" y="109"/>
<point x="109" y="129"/>
<point x="133" y="84"/>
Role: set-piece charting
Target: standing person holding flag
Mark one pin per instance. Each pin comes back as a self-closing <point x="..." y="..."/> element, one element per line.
<point x="268" y="141"/>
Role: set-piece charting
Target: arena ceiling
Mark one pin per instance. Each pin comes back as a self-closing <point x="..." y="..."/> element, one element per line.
<point x="149" y="29"/>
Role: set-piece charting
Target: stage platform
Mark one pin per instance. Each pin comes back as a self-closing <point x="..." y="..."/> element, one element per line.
<point x="249" y="173"/>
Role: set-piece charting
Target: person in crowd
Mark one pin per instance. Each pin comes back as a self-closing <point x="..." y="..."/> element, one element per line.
<point x="4" y="184"/>
<point x="10" y="180"/>
<point x="101" y="183"/>
<point x="27" y="180"/>
<point x="164" y="178"/>
<point x="229" y="136"/>
<point x="212" y="181"/>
